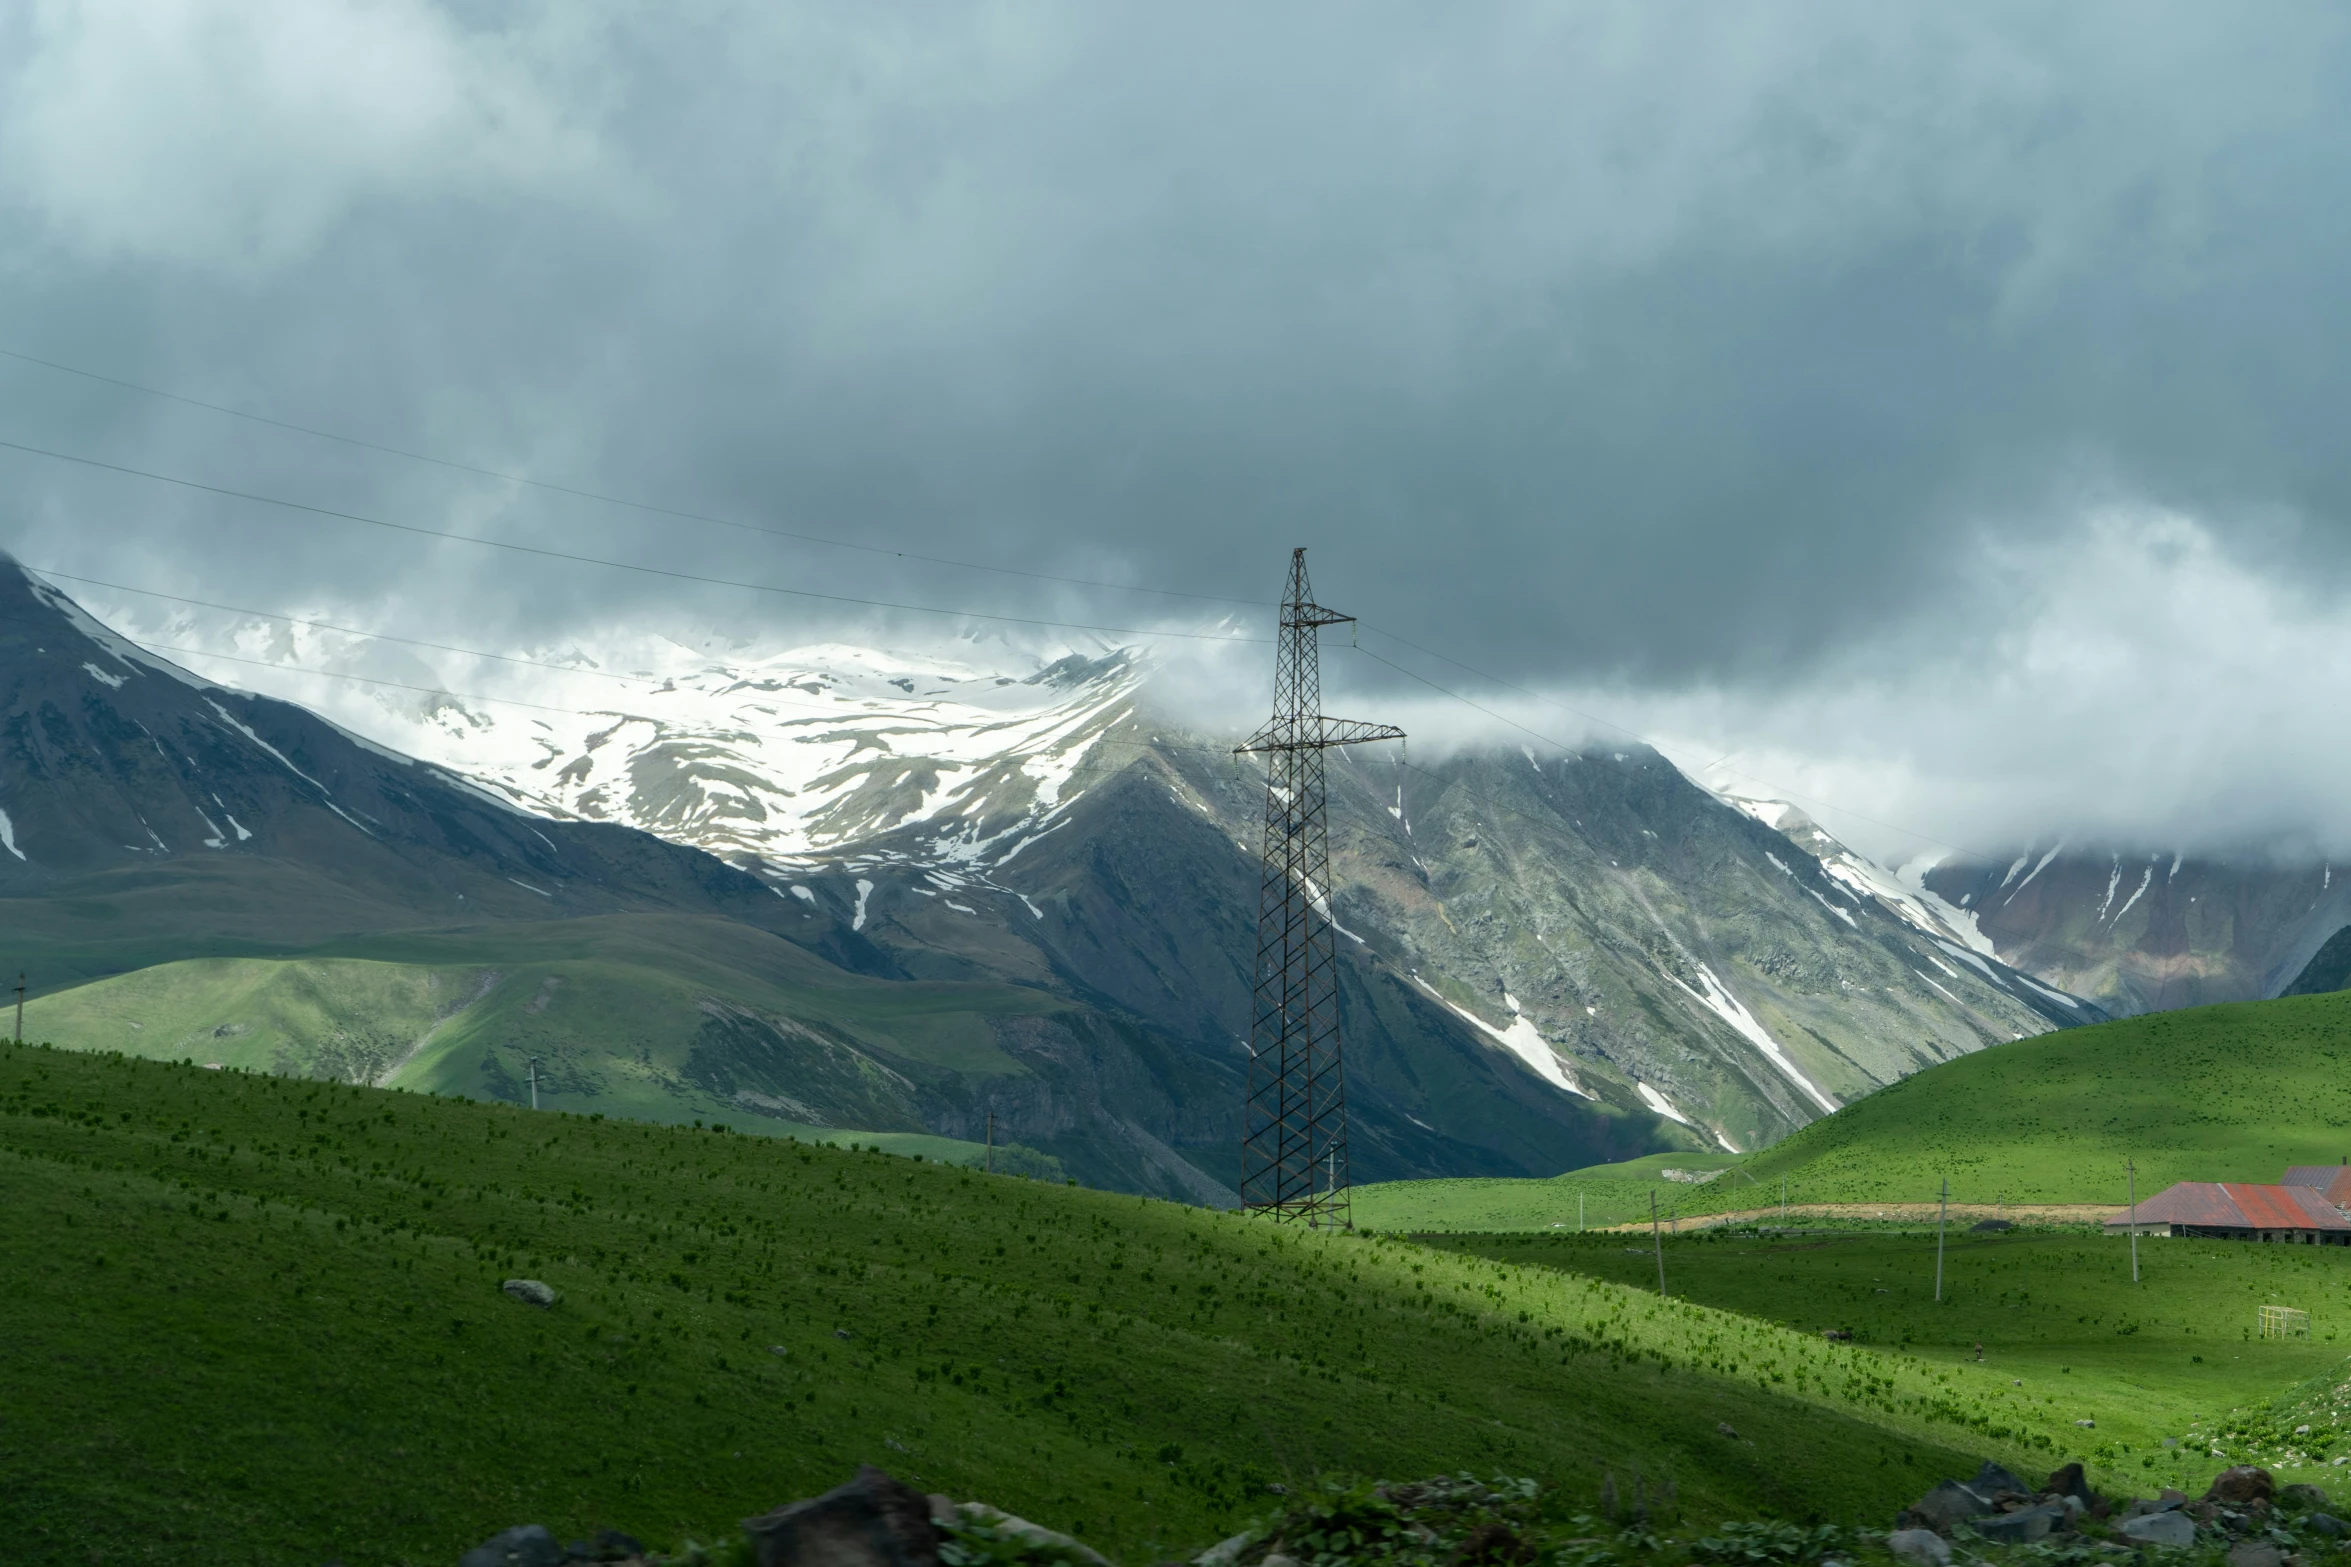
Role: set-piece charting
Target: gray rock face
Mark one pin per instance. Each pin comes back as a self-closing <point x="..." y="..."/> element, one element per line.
<point x="2021" y="1527"/>
<point x="2241" y="1484"/>
<point x="527" y="1545"/>
<point x="530" y="1292"/>
<point x="1991" y="1480"/>
<point x="1919" y="1547"/>
<point x="2302" y="1498"/>
<point x="1945" y="1508"/>
<point x="2172" y="1529"/>
<point x="1226" y="1552"/>
<point x="2256" y="1553"/>
<point x="2327" y="1524"/>
<point x="872" y="1521"/>
<point x="1037" y="1535"/>
<point x="2069" y="1481"/>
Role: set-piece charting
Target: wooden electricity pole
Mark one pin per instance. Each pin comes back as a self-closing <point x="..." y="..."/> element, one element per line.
<point x="991" y="1142"/>
<point x="1579" y="1213"/>
<point x="1657" y="1239"/>
<point x="534" y="1082"/>
<point x="2133" y="1167"/>
<point x="20" y="1008"/>
<point x="1942" y="1219"/>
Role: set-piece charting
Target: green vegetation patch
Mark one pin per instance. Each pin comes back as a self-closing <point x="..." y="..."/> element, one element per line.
<point x="2227" y="1093"/>
<point x="2172" y="1370"/>
<point x="1592" y="1198"/>
<point x="258" y="1318"/>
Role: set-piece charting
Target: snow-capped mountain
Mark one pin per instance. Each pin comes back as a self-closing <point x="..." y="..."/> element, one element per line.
<point x="1905" y="894"/>
<point x="2147" y="930"/>
<point x="1622" y="945"/>
<point x="780" y="761"/>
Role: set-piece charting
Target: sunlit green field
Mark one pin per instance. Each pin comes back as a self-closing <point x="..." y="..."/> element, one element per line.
<point x="1586" y="1199"/>
<point x="2054" y="1311"/>
<point x="259" y="1319"/>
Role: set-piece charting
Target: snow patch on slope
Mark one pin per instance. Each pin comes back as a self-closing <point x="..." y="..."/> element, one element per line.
<point x="1520" y="1039"/>
<point x="1716" y="997"/>
<point x="1662" y="1105"/>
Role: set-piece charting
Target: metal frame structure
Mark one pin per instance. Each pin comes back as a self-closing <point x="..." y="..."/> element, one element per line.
<point x="1294" y="1122"/>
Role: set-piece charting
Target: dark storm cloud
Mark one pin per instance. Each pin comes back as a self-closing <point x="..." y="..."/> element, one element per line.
<point x="1686" y="348"/>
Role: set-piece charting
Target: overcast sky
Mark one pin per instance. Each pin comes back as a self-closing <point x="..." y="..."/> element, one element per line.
<point x="1941" y="408"/>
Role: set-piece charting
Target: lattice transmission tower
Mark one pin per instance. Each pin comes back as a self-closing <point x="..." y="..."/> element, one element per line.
<point x="1294" y="1124"/>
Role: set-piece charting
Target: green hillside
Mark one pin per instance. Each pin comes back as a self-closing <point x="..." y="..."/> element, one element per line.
<point x="1603" y="1194"/>
<point x="2226" y="1093"/>
<point x="647" y="1016"/>
<point x="2053" y="1309"/>
<point x="259" y="1316"/>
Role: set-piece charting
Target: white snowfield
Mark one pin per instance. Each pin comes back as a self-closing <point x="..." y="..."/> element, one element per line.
<point x="780" y="761"/>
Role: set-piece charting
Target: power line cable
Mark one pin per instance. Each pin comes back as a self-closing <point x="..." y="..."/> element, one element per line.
<point x="810" y="538"/>
<point x="616" y="565"/>
<point x="577" y="493"/>
<point x="667" y="511"/>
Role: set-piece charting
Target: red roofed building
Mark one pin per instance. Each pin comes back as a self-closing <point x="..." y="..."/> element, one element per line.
<point x="2239" y="1211"/>
<point x="2333" y="1181"/>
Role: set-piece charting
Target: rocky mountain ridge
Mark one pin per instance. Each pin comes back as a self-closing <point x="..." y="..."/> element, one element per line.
<point x="1587" y="937"/>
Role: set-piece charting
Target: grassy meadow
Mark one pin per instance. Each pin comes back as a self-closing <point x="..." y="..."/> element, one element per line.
<point x="2176" y="1356"/>
<point x="2226" y="1093"/>
<point x="623" y="1012"/>
<point x="1592" y="1198"/>
<point x="258" y="1319"/>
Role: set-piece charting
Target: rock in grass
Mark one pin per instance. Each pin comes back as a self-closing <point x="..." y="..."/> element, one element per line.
<point x="2175" y="1530"/>
<point x="2302" y="1499"/>
<point x="2070" y="1481"/>
<point x="1225" y="1553"/>
<point x="1991" y="1481"/>
<point x="530" y="1292"/>
<point x="875" y="1520"/>
<point x="2241" y="1484"/>
<point x="1919" y="1547"/>
<point x="2327" y="1524"/>
<point x="2023" y="1526"/>
<point x="2255" y="1553"/>
<point x="1944" y="1509"/>
<point x="1030" y="1534"/>
<point x="610" y="1545"/>
<point x="528" y="1545"/>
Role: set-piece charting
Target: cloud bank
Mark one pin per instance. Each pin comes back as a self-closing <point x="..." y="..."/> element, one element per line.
<point x="1937" y="408"/>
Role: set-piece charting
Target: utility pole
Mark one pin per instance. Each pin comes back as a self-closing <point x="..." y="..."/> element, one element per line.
<point x="1941" y="1219"/>
<point x="991" y="1142"/>
<point x="1579" y="1213"/>
<point x="534" y="1082"/>
<point x="20" y="1008"/>
<point x="2133" y="1167"/>
<point x="1657" y="1239"/>
<point x="1294" y="1120"/>
<point x="1783" y="1202"/>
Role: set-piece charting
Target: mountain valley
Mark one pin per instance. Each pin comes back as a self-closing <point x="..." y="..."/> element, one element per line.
<point x="1549" y="961"/>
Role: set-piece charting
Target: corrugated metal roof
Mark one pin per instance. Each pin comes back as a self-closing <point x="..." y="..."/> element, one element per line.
<point x="2236" y="1205"/>
<point x="2334" y="1180"/>
<point x="2190" y="1202"/>
<point x="2286" y="1208"/>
